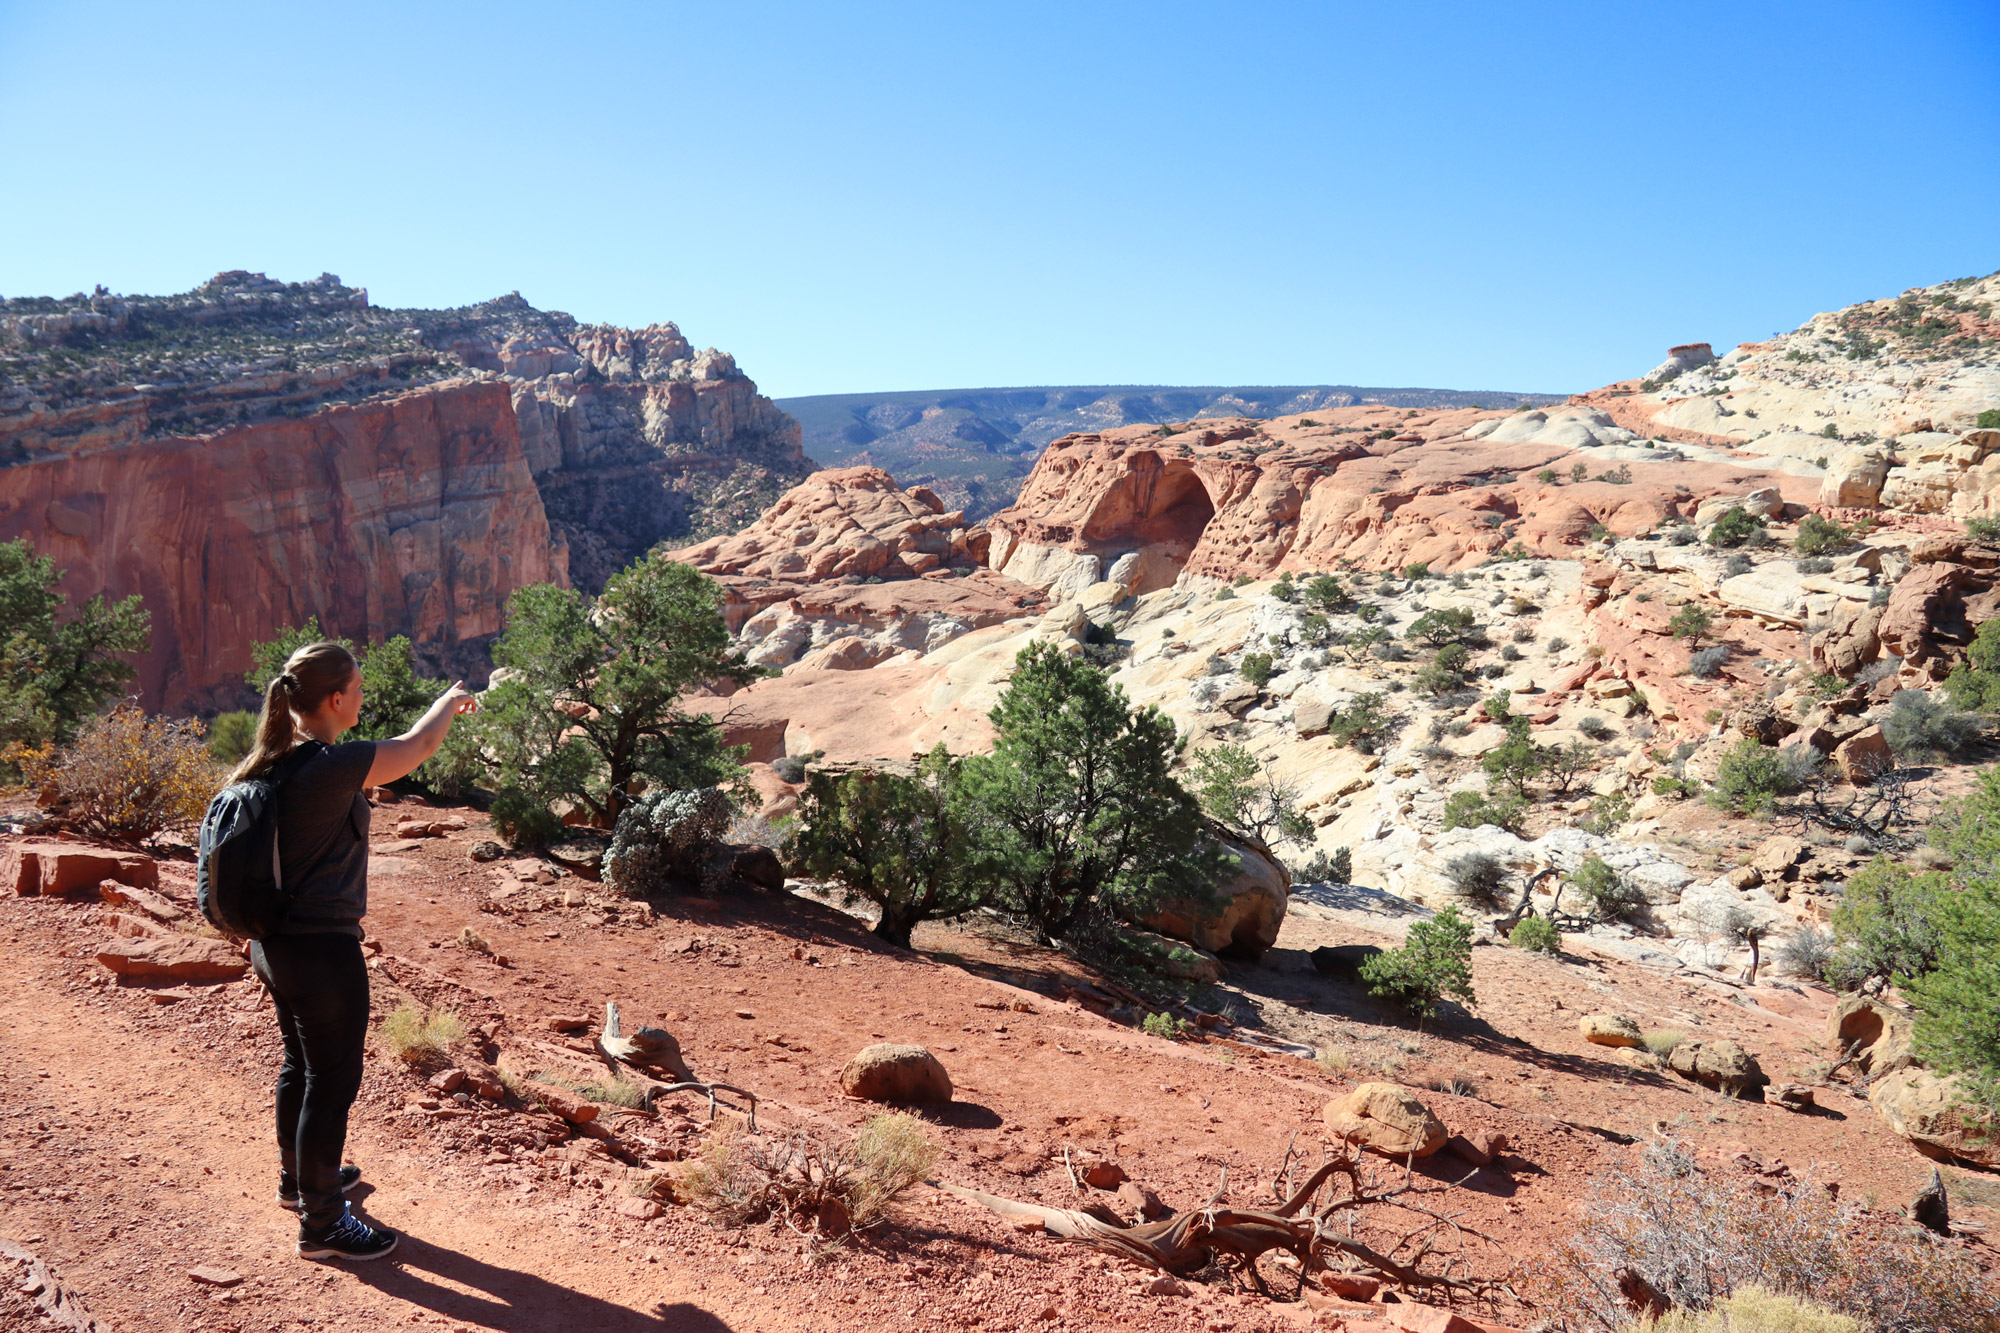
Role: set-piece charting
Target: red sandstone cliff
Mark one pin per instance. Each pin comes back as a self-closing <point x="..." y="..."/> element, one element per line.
<point x="409" y="515"/>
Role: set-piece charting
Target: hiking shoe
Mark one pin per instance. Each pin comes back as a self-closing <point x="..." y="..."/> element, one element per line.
<point x="288" y="1193"/>
<point x="349" y="1238"/>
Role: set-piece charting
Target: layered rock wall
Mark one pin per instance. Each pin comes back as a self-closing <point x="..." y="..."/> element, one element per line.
<point x="410" y="515"/>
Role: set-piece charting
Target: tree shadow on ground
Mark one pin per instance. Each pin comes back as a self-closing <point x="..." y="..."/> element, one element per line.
<point x="482" y="1295"/>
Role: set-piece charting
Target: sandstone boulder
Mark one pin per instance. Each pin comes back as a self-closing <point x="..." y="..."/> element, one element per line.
<point x="1610" y="1030"/>
<point x="1720" y="1064"/>
<point x="55" y="868"/>
<point x="890" y="1072"/>
<point x="1849" y="641"/>
<point x="1854" y="477"/>
<point x="1775" y="858"/>
<point x="1312" y="717"/>
<point x="1386" y="1119"/>
<point x="1791" y="1097"/>
<point x="1864" y="755"/>
<point x="173" y="958"/>
<point x="1931" y="1113"/>
<point x="1250" y="907"/>
<point x="1882" y="1032"/>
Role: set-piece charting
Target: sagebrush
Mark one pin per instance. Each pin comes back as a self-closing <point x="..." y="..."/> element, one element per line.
<point x="831" y="1183"/>
<point x="127" y="776"/>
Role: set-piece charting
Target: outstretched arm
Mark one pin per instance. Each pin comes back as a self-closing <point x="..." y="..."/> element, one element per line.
<point x="399" y="757"/>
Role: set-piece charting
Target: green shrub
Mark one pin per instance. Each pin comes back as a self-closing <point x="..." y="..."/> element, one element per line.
<point x="61" y="663"/>
<point x="1420" y="570"/>
<point x="1243" y="795"/>
<point x="1517" y="761"/>
<point x="1692" y="621"/>
<point x="1734" y="527"/>
<point x="1611" y="896"/>
<point x="1537" y="934"/>
<point x="1922" y="726"/>
<point x="1161" y="1025"/>
<point x="1750" y="779"/>
<point x="1988" y="420"/>
<point x="1258" y="669"/>
<point x="1975" y="682"/>
<point x="1446" y="626"/>
<point x="1323" y="592"/>
<point x="1471" y="809"/>
<point x="1361" y="724"/>
<point x="1284" y="589"/>
<point x="1679" y="788"/>
<point x="905" y="844"/>
<point x="1820" y="536"/>
<point x="1606" y="814"/>
<point x="1434" y="962"/>
<point x="1081" y="815"/>
<point x="231" y="735"/>
<point x="624" y="659"/>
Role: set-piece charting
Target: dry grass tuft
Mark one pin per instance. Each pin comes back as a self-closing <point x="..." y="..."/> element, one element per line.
<point x="1661" y="1041"/>
<point x="612" y="1092"/>
<point x="1755" y="1310"/>
<point x="419" y="1036"/>
<point x="831" y="1185"/>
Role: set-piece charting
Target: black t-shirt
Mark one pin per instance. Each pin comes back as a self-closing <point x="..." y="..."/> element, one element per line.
<point x="323" y="836"/>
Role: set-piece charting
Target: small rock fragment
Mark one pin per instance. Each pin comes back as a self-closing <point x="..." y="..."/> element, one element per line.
<point x="215" y="1277"/>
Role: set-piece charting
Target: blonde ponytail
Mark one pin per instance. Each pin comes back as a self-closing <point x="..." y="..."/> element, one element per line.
<point x="310" y="675"/>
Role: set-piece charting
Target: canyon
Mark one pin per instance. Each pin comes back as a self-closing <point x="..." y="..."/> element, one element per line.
<point x="253" y="452"/>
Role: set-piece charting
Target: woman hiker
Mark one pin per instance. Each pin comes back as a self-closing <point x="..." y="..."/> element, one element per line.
<point x="312" y="965"/>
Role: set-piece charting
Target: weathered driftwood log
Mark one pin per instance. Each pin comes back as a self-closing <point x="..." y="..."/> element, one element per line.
<point x="653" y="1048"/>
<point x="1194" y="1240"/>
<point x="647" y="1048"/>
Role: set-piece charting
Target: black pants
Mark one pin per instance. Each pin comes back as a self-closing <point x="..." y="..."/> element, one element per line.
<point x="320" y="987"/>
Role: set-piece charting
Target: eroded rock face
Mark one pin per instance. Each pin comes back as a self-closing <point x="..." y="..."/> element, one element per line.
<point x="1386" y="1119"/>
<point x="1227" y="498"/>
<point x="1881" y="1033"/>
<point x="1931" y="1113"/>
<point x="792" y="581"/>
<point x="412" y="515"/>
<point x="393" y="472"/>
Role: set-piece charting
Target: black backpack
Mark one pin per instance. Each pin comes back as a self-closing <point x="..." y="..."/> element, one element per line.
<point x="238" y="884"/>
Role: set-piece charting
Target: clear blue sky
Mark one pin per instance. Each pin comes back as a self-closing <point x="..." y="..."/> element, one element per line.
<point x="862" y="197"/>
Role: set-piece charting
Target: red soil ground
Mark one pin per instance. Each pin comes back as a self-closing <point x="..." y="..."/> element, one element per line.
<point x="134" y="1134"/>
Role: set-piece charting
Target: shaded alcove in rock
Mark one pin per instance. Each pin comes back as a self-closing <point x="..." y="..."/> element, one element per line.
<point x="1153" y="517"/>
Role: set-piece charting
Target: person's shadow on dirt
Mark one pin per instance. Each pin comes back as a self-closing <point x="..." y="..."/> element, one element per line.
<point x="509" y="1301"/>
